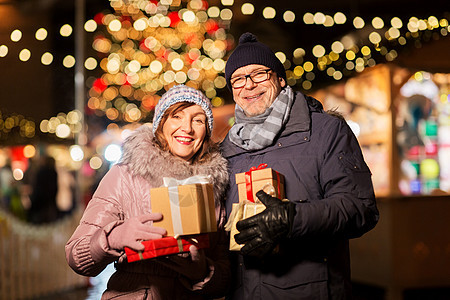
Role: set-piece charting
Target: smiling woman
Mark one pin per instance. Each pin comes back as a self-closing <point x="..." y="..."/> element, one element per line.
<point x="122" y="210"/>
<point x="183" y="123"/>
<point x="184" y="129"/>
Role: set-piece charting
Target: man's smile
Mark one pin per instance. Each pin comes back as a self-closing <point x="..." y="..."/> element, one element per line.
<point x="253" y="97"/>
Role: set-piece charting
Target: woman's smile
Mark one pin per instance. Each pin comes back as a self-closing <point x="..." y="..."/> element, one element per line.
<point x="184" y="140"/>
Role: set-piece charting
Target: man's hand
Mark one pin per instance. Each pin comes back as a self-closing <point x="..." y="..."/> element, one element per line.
<point x="261" y="233"/>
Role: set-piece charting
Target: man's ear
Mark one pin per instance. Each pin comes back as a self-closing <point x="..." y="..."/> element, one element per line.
<point x="282" y="82"/>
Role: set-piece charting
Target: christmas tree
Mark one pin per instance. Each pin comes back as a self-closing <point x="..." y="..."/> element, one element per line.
<point x="146" y="47"/>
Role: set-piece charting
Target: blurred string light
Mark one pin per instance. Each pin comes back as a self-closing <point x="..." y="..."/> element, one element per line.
<point x="66" y="30"/>
<point x="29" y="151"/>
<point x="113" y="152"/>
<point x="13" y="123"/>
<point x="76" y="153"/>
<point x="69" y="61"/>
<point x="47" y="58"/>
<point x="95" y="162"/>
<point x="18" y="174"/>
<point x="269" y="12"/>
<point x="289" y="16"/>
<point x="247" y="9"/>
<point x="41" y="34"/>
<point x="24" y="55"/>
<point x="145" y="47"/>
<point x="3" y="50"/>
<point x="353" y="52"/>
<point x="149" y="46"/>
<point x="16" y="35"/>
<point x="63" y="125"/>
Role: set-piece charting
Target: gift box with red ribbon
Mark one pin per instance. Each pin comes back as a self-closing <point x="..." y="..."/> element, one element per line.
<point x="249" y="183"/>
<point x="167" y="246"/>
<point x="257" y="178"/>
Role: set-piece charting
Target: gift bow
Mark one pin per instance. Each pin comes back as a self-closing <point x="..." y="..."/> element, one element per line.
<point x="172" y="185"/>
<point x="170" y="181"/>
<point x="248" y="181"/>
<point x="260" y="167"/>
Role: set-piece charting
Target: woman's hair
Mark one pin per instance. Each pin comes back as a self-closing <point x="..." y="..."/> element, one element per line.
<point x="208" y="146"/>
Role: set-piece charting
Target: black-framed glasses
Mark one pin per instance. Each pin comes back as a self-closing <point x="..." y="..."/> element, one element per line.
<point x="256" y="77"/>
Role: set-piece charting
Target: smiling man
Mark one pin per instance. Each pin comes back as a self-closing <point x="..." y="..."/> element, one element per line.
<point x="261" y="92"/>
<point x="296" y="249"/>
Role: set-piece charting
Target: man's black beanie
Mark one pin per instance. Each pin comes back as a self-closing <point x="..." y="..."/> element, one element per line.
<point x="249" y="52"/>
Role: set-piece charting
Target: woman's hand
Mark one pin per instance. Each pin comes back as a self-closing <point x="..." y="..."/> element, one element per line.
<point x="192" y="265"/>
<point x="134" y="230"/>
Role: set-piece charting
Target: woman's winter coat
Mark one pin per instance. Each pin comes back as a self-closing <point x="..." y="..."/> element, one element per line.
<point x="124" y="192"/>
<point x="328" y="180"/>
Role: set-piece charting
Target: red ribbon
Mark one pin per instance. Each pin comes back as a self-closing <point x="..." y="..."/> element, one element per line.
<point x="248" y="181"/>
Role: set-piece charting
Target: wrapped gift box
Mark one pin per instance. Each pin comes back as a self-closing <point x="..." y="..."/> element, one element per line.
<point x="249" y="183"/>
<point x="241" y="211"/>
<point x="187" y="209"/>
<point x="167" y="246"/>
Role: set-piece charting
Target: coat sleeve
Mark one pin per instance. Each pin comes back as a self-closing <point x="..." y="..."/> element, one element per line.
<point x="347" y="208"/>
<point x="87" y="251"/>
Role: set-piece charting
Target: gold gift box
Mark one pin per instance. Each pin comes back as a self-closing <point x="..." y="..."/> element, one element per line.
<point x="186" y="209"/>
<point x="265" y="179"/>
<point x="260" y="179"/>
<point x="242" y="211"/>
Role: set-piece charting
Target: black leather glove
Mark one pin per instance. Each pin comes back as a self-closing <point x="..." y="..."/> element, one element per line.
<point x="262" y="232"/>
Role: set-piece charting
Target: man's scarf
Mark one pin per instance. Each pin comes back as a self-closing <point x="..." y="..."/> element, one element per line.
<point x="258" y="132"/>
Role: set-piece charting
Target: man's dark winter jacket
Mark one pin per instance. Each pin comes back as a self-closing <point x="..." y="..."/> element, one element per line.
<point x="328" y="180"/>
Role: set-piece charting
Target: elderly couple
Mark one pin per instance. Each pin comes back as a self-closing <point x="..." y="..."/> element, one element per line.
<point x="327" y="182"/>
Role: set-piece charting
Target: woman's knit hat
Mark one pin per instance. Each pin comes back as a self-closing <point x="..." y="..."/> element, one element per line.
<point x="182" y="93"/>
<point x="250" y="51"/>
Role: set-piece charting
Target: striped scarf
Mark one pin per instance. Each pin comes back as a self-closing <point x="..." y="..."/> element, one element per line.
<point x="255" y="133"/>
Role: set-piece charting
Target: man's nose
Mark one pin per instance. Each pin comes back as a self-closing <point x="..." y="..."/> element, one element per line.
<point x="249" y="83"/>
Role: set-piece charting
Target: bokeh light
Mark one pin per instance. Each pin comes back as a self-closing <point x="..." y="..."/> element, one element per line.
<point x="46" y="58"/>
<point x="66" y="30"/>
<point x="247" y="9"/>
<point x="3" y="50"/>
<point x="41" y="34"/>
<point x="16" y="35"/>
<point x="269" y="12"/>
<point x="76" y="153"/>
<point x="24" y="55"/>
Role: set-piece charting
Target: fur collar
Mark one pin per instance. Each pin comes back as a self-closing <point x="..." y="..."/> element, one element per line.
<point x="144" y="158"/>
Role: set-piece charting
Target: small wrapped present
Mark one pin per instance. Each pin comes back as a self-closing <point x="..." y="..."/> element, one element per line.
<point x="167" y="246"/>
<point x="249" y="183"/>
<point x="187" y="206"/>
<point x="257" y="178"/>
<point x="239" y="212"/>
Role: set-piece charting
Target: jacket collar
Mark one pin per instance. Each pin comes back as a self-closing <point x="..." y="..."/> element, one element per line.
<point x="144" y="158"/>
